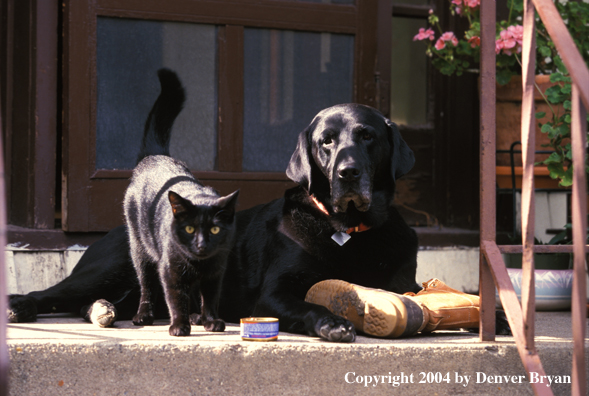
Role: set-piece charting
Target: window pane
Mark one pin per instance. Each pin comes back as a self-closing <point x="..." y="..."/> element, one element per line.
<point x="408" y="78"/>
<point x="129" y="53"/>
<point x="288" y="78"/>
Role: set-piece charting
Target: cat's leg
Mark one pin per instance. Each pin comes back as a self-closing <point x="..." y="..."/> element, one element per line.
<point x="147" y="275"/>
<point x="210" y="293"/>
<point x="177" y="285"/>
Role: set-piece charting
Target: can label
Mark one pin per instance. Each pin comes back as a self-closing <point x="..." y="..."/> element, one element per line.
<point x="259" y="329"/>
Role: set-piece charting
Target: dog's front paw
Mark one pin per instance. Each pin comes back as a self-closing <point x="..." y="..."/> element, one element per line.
<point x="335" y="328"/>
<point x="21" y="309"/>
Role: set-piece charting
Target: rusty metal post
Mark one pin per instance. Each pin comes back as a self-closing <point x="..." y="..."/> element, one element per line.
<point x="579" y="212"/>
<point x="528" y="139"/>
<point x="4" y="361"/>
<point x="487" y="168"/>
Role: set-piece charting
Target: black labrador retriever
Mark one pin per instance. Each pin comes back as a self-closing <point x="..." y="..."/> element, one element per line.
<point x="338" y="223"/>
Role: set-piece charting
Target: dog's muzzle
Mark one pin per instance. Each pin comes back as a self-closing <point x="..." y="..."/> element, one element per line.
<point x="344" y="203"/>
<point x="351" y="186"/>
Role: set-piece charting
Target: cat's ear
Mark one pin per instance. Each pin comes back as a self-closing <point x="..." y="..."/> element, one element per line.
<point x="179" y="204"/>
<point x="226" y="206"/>
<point x="228" y="202"/>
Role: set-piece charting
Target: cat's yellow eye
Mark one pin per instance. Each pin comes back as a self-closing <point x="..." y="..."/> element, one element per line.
<point x="215" y="230"/>
<point x="189" y="229"/>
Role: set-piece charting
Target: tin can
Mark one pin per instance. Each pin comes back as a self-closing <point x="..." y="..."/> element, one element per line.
<point x="259" y="329"/>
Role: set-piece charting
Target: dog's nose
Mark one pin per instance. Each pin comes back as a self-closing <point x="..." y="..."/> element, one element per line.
<point x="348" y="173"/>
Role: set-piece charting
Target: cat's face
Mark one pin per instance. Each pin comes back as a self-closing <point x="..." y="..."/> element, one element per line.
<point x="203" y="230"/>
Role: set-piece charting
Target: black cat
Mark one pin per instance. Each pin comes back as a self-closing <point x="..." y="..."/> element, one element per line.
<point x="179" y="230"/>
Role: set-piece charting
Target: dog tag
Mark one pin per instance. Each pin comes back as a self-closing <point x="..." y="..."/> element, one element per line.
<point x="340" y="238"/>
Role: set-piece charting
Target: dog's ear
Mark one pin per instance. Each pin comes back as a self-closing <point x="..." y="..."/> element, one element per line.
<point x="300" y="166"/>
<point x="402" y="159"/>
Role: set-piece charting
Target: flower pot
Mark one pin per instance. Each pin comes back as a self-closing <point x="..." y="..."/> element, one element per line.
<point x="542" y="177"/>
<point x="554" y="279"/>
<point x="508" y="119"/>
<point x="553" y="288"/>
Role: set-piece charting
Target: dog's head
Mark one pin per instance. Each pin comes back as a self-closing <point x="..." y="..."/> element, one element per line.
<point x="347" y="152"/>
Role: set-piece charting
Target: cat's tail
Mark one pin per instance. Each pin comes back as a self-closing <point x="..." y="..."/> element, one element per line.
<point x="158" y="127"/>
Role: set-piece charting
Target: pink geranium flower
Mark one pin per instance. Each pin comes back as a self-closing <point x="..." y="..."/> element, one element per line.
<point x="510" y="40"/>
<point x="446" y="37"/>
<point x="462" y="4"/>
<point x="498" y="46"/>
<point x="474" y="41"/>
<point x="424" y="35"/>
<point x="458" y="4"/>
<point x="517" y="32"/>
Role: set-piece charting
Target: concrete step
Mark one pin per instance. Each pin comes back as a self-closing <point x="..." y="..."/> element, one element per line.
<point x="63" y="355"/>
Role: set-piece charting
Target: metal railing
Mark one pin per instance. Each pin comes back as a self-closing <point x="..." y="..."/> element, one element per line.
<point x="492" y="267"/>
<point x="4" y="361"/>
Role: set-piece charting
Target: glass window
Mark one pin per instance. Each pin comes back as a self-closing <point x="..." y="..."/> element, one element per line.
<point x="129" y="53"/>
<point x="408" y="73"/>
<point x="288" y="78"/>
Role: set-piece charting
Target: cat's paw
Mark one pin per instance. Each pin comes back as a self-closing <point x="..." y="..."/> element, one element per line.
<point x="21" y="309"/>
<point x="214" y="325"/>
<point x="180" y="330"/>
<point x="142" y="319"/>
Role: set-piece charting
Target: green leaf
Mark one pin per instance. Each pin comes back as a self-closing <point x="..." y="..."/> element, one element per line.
<point x="558" y="77"/>
<point x="546" y="128"/>
<point x="544" y="51"/>
<point x="566" y="180"/>
<point x="563" y="129"/>
<point x="503" y="77"/>
<point x="558" y="238"/>
<point x="554" y="158"/>
<point x="554" y="94"/>
<point x="518" y="5"/>
<point x="541" y="114"/>
<point x="556" y="170"/>
<point x="558" y="61"/>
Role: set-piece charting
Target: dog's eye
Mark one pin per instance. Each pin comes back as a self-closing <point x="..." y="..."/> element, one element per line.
<point x="189" y="229"/>
<point x="215" y="230"/>
<point x="328" y="141"/>
<point x="367" y="136"/>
